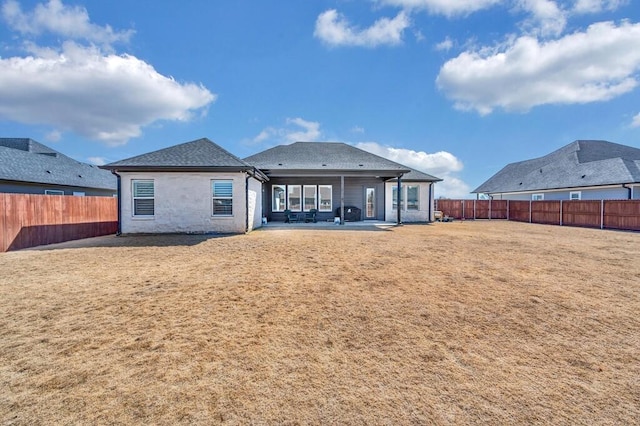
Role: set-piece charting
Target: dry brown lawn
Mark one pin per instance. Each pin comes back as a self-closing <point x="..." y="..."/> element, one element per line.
<point x="453" y="323"/>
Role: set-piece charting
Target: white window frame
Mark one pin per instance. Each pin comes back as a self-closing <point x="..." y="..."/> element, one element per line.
<point x="304" y="197"/>
<point x="224" y="196"/>
<point x="322" y="207"/>
<point x="291" y="188"/>
<point x="575" y="193"/>
<point x="273" y="198"/>
<point x="53" y="192"/>
<point x="394" y="190"/>
<point x="134" y="197"/>
<point x="537" y="197"/>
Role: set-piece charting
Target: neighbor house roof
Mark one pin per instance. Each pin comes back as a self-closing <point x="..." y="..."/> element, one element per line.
<point x="25" y="160"/>
<point x="580" y="164"/>
<point x="198" y="155"/>
<point x="312" y="157"/>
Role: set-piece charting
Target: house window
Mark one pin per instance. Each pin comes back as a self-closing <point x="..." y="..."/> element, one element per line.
<point x="310" y="196"/>
<point x="279" y="198"/>
<point x="143" y="198"/>
<point x="294" y="197"/>
<point x="324" y="204"/>
<point x="412" y="197"/>
<point x="53" y="192"/>
<point x="78" y="193"/>
<point x="575" y="195"/>
<point x="537" y="197"/>
<point x="394" y="196"/>
<point x="222" y="194"/>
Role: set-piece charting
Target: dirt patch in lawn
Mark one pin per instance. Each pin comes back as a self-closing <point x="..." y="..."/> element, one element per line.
<point x="453" y="323"/>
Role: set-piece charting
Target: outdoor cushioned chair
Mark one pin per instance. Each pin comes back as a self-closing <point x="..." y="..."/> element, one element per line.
<point x="311" y="216"/>
<point x="289" y="217"/>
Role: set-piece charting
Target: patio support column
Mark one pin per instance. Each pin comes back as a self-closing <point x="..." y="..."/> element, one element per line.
<point x="399" y="219"/>
<point x="342" y="200"/>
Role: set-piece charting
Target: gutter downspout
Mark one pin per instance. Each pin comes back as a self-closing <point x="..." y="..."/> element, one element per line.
<point x="629" y="191"/>
<point x="246" y="202"/>
<point x="430" y="207"/>
<point x="399" y="219"/>
<point x="119" y="232"/>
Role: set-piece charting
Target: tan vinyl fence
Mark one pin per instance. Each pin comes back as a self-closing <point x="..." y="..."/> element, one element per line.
<point x="603" y="214"/>
<point x="29" y="220"/>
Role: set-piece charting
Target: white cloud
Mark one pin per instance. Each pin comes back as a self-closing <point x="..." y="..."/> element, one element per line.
<point x="53" y="136"/>
<point x="444" y="7"/>
<point x="596" y="65"/>
<point x="79" y="88"/>
<point x="636" y="121"/>
<point x="71" y="22"/>
<point x="98" y="161"/>
<point x="547" y="18"/>
<point x="106" y="98"/>
<point x="596" y="6"/>
<point x="441" y="164"/>
<point x="357" y="129"/>
<point x="445" y="44"/>
<point x="295" y="130"/>
<point x="335" y="30"/>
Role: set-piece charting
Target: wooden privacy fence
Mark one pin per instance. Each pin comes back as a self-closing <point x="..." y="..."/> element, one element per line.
<point x="29" y="220"/>
<point x="609" y="214"/>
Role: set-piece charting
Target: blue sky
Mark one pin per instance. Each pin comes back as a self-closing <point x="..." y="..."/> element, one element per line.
<point x="454" y="88"/>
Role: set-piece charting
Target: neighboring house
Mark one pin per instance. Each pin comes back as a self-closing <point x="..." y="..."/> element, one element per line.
<point x="582" y="170"/>
<point x="195" y="187"/>
<point x="29" y="167"/>
<point x="326" y="176"/>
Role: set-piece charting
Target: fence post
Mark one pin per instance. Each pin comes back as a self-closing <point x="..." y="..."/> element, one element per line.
<point x="490" y="203"/>
<point x="462" y="202"/>
<point x="530" y="213"/>
<point x="507" y="209"/>
<point x="601" y="214"/>
<point x="474" y="209"/>
<point x="561" y="212"/>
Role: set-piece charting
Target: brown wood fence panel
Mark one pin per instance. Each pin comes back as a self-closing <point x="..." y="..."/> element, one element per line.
<point x="546" y="212"/>
<point x="519" y="211"/>
<point x="581" y="213"/>
<point x="28" y="220"/>
<point x="611" y="214"/>
<point x="622" y="214"/>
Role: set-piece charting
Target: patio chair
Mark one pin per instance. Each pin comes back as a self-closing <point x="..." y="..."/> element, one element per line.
<point x="311" y="216"/>
<point x="289" y="217"/>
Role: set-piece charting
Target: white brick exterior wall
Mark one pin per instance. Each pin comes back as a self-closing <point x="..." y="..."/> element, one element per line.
<point x="423" y="214"/>
<point x="183" y="204"/>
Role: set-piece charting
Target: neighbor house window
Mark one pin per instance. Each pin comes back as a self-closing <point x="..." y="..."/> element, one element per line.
<point x="412" y="197"/>
<point x="537" y="197"/>
<point x="78" y="193"/>
<point x="294" y="197"/>
<point x="143" y="198"/>
<point x="279" y="203"/>
<point x="575" y="195"/>
<point x="310" y="196"/>
<point x="53" y="192"/>
<point x="222" y="191"/>
<point x="324" y="204"/>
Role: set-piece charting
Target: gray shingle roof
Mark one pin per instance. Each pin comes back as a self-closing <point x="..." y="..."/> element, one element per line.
<point x="580" y="164"/>
<point x="418" y="176"/>
<point x="25" y="160"/>
<point x="316" y="156"/>
<point x="198" y="154"/>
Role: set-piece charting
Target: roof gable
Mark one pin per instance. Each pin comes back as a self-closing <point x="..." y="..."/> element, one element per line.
<point x="198" y="154"/>
<point x="325" y="156"/>
<point x="25" y="160"/>
<point x="578" y="164"/>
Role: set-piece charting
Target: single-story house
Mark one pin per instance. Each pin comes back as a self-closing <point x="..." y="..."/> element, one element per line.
<point x="582" y="170"/>
<point x="194" y="187"/>
<point x="29" y="167"/>
<point x="325" y="176"/>
<point x="198" y="187"/>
